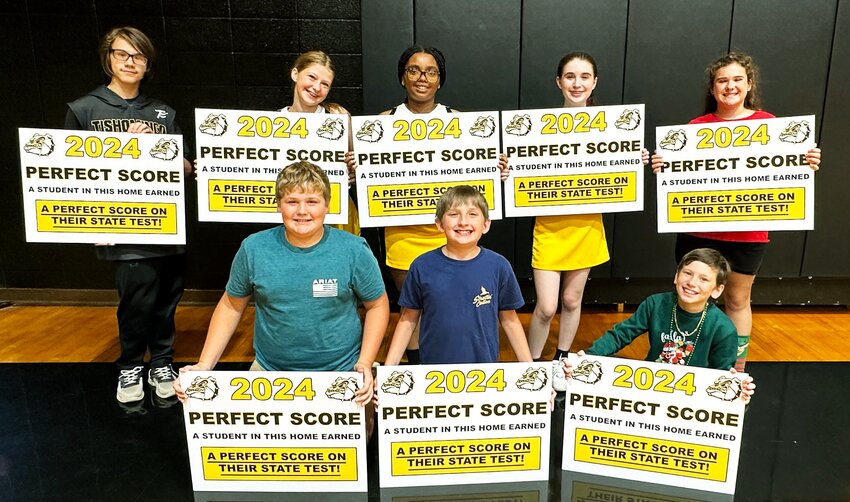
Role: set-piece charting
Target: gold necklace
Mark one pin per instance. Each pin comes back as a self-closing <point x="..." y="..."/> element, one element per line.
<point x="674" y="320"/>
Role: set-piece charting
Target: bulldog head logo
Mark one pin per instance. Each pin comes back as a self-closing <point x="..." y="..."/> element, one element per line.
<point x="484" y="127"/>
<point x="165" y="149"/>
<point x="203" y="388"/>
<point x="674" y="141"/>
<point x="532" y="379"/>
<point x="587" y="371"/>
<point x="796" y="132"/>
<point x="342" y="389"/>
<point x="399" y="383"/>
<point x="725" y="388"/>
<point x="520" y="125"/>
<point x="371" y="131"/>
<point x="40" y="144"/>
<point x="331" y="129"/>
<point x="629" y="120"/>
<point x="214" y="125"/>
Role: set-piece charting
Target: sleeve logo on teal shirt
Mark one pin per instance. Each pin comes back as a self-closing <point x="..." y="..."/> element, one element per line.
<point x="325" y="288"/>
<point x="483" y="299"/>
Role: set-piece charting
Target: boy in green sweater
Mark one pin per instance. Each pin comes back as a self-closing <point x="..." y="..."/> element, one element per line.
<point x="684" y="327"/>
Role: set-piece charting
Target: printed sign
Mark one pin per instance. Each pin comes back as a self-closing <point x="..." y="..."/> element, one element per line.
<point x="102" y="187"/>
<point x="653" y="422"/>
<point x="467" y="423"/>
<point x="405" y="162"/>
<point x="275" y="431"/>
<point x="736" y="176"/>
<point x="574" y="160"/>
<point x="240" y="153"/>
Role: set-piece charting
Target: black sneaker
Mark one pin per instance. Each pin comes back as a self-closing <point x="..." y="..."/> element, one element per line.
<point x="130" y="385"/>
<point x="162" y="380"/>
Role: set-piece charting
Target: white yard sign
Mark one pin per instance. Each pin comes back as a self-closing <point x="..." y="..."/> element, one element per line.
<point x="574" y="160"/>
<point x="240" y="153"/>
<point x="744" y="175"/>
<point x="405" y="162"/>
<point x="660" y="423"/>
<point x="467" y="423"/>
<point x="275" y="431"/>
<point x="102" y="187"/>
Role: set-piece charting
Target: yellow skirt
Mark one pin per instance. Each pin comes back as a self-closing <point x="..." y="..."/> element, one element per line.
<point x="405" y="244"/>
<point x="569" y="242"/>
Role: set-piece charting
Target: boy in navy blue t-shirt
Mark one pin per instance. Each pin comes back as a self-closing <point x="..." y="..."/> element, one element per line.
<point x="459" y="293"/>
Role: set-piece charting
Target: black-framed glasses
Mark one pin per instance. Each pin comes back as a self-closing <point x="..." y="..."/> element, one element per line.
<point x="123" y="56"/>
<point x="415" y="73"/>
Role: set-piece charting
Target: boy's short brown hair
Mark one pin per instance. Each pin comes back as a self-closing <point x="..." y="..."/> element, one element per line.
<point x="710" y="257"/>
<point x="462" y="194"/>
<point x="304" y="176"/>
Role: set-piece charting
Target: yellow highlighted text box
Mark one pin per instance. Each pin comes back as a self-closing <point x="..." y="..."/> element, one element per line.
<point x="416" y="458"/>
<point x="649" y="454"/>
<point x="81" y="216"/>
<point x="575" y="189"/>
<point x="279" y="464"/>
<point x="419" y="198"/>
<point x="252" y="196"/>
<point x="756" y="204"/>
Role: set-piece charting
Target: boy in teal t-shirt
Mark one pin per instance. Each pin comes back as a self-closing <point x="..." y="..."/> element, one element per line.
<point x="306" y="280"/>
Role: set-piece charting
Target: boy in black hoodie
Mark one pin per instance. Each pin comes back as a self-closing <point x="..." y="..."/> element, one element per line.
<point x="149" y="278"/>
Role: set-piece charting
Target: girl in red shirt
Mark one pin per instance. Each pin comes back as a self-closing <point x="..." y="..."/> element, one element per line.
<point x="732" y="94"/>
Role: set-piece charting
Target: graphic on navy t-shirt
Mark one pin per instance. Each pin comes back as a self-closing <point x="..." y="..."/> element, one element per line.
<point x="483" y="299"/>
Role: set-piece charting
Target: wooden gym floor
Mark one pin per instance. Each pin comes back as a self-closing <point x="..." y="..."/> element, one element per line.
<point x="88" y="334"/>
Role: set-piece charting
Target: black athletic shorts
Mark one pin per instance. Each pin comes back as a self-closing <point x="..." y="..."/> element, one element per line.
<point x="743" y="257"/>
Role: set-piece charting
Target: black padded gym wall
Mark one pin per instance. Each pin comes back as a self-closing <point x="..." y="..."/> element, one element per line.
<point x="230" y="54"/>
<point x="549" y="31"/>
<point x="827" y="248"/>
<point x="388" y="30"/>
<point x="668" y="44"/>
<point x="502" y="54"/>
<point x="655" y="53"/>
<point x="790" y="41"/>
<point x="480" y="39"/>
<point x="47" y="52"/>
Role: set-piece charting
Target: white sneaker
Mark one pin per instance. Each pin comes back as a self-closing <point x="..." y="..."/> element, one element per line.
<point x="130" y="385"/>
<point x="162" y="379"/>
<point x="559" y="381"/>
